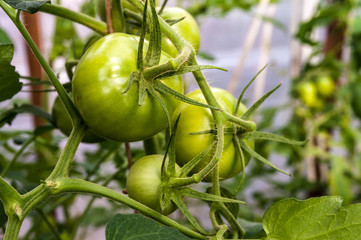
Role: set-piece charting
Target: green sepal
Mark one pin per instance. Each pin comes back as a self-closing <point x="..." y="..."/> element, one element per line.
<point x="245" y="89"/>
<point x="164" y="106"/>
<point x="189" y="192"/>
<point x="161" y="87"/>
<point x="227" y="131"/>
<point x="155" y="40"/>
<point x="272" y="137"/>
<point x="257" y="104"/>
<point x="177" y="199"/>
<point x="170" y="151"/>
<point x="140" y="62"/>
<point x="142" y="91"/>
<point x="172" y="22"/>
<point x="187" y="69"/>
<point x="259" y="157"/>
<point x="162" y="7"/>
<point x="188" y="167"/>
<point x="134" y="76"/>
<point x="243" y="163"/>
<point x="69" y="68"/>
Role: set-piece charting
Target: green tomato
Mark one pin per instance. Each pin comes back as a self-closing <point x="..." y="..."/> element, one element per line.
<point x="325" y="86"/>
<point x="187" y="28"/>
<point x="99" y="82"/>
<point x="308" y="93"/>
<point x="144" y="180"/>
<point x="195" y="119"/>
<point x="62" y="121"/>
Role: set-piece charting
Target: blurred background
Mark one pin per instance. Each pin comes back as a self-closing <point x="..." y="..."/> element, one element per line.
<point x="311" y="47"/>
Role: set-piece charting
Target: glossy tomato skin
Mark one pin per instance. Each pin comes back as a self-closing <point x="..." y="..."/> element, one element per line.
<point x="195" y="119"/>
<point x="99" y="82"/>
<point x="62" y="121"/>
<point x="187" y="28"/>
<point x="143" y="182"/>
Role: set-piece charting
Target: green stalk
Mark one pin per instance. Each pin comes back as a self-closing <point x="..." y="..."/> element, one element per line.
<point x="77" y="185"/>
<point x="13" y="228"/>
<point x="52" y="76"/>
<point x="78" y="17"/>
<point x="65" y="160"/>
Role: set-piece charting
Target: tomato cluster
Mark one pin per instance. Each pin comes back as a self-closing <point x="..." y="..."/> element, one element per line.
<point x="312" y="93"/>
<point x="110" y="103"/>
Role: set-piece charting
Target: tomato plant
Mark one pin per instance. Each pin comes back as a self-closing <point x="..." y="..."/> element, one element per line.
<point x="99" y="82"/>
<point x="144" y="180"/>
<point x="125" y="88"/>
<point x="62" y="121"/>
<point x="194" y="120"/>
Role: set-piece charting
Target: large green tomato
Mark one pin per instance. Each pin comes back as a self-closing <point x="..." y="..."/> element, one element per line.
<point x="187" y="28"/>
<point x="195" y="119"/>
<point x="62" y="121"/>
<point x="99" y="82"/>
<point x="143" y="182"/>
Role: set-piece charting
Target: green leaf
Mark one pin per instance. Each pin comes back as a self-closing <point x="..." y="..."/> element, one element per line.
<point x="251" y="228"/>
<point x="4" y="38"/>
<point x="27" y="6"/>
<point x="312" y="219"/>
<point x="9" y="78"/>
<point x="138" y="227"/>
<point x="272" y="137"/>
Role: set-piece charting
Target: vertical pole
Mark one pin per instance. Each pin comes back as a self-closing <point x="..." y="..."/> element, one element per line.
<point x="31" y="22"/>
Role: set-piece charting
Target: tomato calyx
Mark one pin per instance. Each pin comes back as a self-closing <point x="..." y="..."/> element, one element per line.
<point x="172" y="188"/>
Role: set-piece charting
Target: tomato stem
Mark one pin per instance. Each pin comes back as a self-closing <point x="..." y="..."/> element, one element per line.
<point x="13" y="228"/>
<point x="63" y="165"/>
<point x="74" y="16"/>
<point x="77" y="185"/>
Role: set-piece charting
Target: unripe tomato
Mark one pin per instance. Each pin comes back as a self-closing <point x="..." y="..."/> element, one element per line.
<point x="308" y="93"/>
<point x="325" y="86"/>
<point x="187" y="28"/>
<point x="63" y="122"/>
<point x="99" y="82"/>
<point x="143" y="182"/>
<point x="195" y="119"/>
